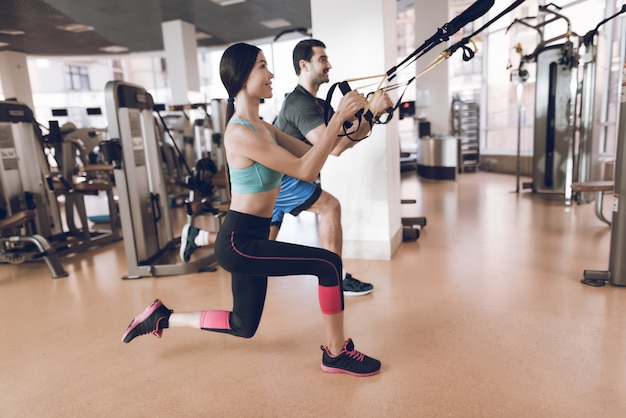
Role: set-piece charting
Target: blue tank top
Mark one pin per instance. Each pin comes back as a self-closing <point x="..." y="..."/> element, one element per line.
<point x="254" y="178"/>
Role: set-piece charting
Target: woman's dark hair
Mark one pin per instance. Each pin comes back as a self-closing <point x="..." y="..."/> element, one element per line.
<point x="304" y="51"/>
<point x="235" y="67"/>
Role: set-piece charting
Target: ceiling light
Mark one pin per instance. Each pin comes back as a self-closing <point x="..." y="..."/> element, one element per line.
<point x="227" y="2"/>
<point x="75" y="27"/>
<point x="12" y="32"/>
<point x="114" y="49"/>
<point x="42" y="63"/>
<point x="201" y="36"/>
<point x="276" y="23"/>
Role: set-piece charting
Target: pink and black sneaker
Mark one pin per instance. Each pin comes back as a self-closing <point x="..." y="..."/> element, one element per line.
<point x="151" y="321"/>
<point x="349" y="361"/>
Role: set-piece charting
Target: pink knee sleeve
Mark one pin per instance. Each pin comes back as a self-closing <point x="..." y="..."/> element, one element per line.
<point x="331" y="300"/>
<point x="215" y="320"/>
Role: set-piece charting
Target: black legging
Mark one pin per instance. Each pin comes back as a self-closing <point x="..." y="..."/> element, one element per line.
<point x="243" y="248"/>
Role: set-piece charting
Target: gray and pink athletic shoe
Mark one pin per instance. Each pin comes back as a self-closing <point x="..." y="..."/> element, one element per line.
<point x="151" y="321"/>
<point x="349" y="361"/>
<point x="187" y="242"/>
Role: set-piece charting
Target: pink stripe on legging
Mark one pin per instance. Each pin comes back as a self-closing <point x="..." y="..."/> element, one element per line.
<point x="234" y="247"/>
<point x="329" y="296"/>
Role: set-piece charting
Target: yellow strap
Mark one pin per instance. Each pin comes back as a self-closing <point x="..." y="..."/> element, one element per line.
<point x="369" y="103"/>
<point x="366" y="77"/>
<point x="442" y="57"/>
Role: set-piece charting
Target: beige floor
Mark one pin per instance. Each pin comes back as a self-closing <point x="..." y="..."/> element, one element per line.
<point x="483" y="316"/>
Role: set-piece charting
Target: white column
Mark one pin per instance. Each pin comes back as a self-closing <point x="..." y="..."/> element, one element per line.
<point x="181" y="57"/>
<point x="429" y="16"/>
<point x="14" y="77"/>
<point x="361" y="40"/>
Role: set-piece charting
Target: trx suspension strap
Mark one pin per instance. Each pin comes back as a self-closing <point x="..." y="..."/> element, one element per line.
<point x="443" y="34"/>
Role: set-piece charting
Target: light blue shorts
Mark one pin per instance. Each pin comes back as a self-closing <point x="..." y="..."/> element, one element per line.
<point x="295" y="196"/>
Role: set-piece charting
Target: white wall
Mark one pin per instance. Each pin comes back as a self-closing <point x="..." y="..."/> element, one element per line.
<point x="429" y="16"/>
<point x="365" y="179"/>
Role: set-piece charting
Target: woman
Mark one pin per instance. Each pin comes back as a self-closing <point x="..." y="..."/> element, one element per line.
<point x="258" y="154"/>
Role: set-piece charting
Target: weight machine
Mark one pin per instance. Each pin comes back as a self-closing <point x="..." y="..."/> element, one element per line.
<point x="31" y="216"/>
<point x="209" y="185"/>
<point x="200" y="167"/>
<point x="133" y="148"/>
<point x="77" y="176"/>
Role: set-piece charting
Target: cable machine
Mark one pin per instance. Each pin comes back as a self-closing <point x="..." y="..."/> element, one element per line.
<point x="564" y="106"/>
<point x="555" y="107"/>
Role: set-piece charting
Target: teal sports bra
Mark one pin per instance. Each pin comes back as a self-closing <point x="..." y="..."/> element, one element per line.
<point x="254" y="178"/>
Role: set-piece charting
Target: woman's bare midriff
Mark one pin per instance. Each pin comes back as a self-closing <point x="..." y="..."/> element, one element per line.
<point x="258" y="204"/>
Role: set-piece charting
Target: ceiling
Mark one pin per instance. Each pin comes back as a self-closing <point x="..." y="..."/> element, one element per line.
<point x="136" y="24"/>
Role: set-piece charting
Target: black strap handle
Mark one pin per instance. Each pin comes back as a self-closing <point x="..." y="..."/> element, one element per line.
<point x="344" y="87"/>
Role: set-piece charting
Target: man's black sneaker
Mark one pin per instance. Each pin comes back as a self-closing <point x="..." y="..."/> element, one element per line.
<point x="187" y="242"/>
<point x="151" y="321"/>
<point x="349" y="361"/>
<point x="354" y="287"/>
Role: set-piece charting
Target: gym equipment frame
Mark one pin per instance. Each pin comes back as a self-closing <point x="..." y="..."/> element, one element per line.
<point x="133" y="148"/>
<point x="616" y="273"/>
<point x="22" y="184"/>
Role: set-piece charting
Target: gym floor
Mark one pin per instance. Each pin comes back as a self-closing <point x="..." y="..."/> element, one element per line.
<point x="483" y="316"/>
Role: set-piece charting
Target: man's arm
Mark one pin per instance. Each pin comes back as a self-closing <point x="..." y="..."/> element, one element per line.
<point x="342" y="144"/>
<point x="378" y="106"/>
<point x="293" y="145"/>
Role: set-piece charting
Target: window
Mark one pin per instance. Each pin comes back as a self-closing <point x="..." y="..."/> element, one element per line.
<point x="77" y="78"/>
<point x="490" y="77"/>
<point x="118" y="70"/>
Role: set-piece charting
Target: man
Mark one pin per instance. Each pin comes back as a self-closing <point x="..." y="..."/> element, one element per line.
<point x="302" y="116"/>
